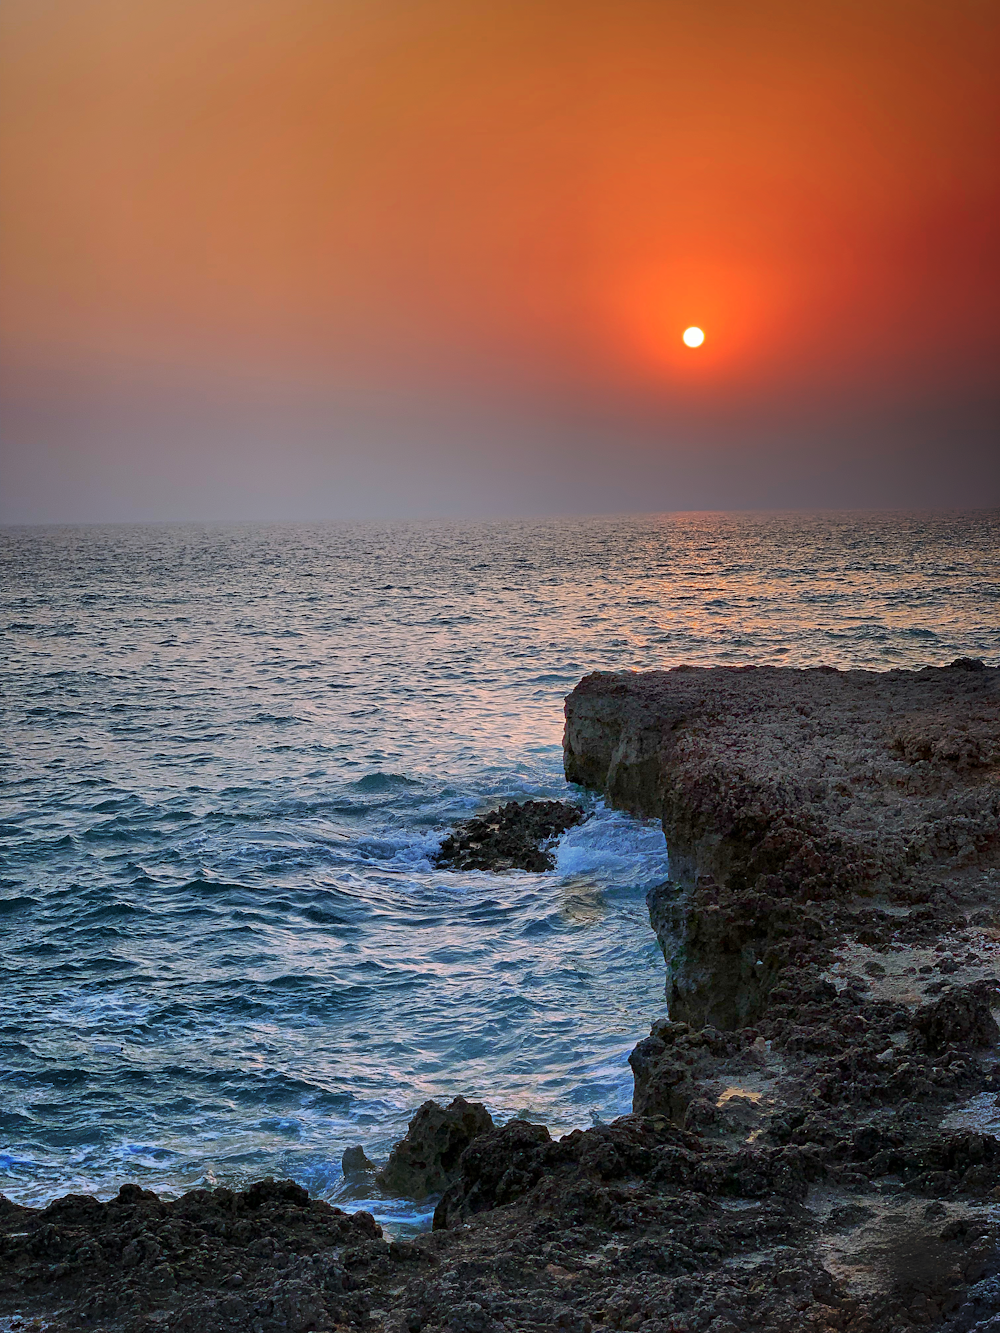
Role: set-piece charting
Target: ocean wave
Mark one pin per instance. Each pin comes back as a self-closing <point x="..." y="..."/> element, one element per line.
<point x="614" y="848"/>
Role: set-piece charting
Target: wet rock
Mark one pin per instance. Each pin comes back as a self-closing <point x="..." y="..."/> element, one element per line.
<point x="520" y="1162"/>
<point x="426" y="1160"/>
<point x="511" y="838"/>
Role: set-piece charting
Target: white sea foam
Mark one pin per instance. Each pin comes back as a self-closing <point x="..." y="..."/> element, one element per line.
<point x="615" y="849"/>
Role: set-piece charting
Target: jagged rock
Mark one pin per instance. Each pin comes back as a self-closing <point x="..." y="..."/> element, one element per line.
<point x="213" y="1260"/>
<point x="496" y="1169"/>
<point x="511" y="838"/>
<point x="961" y="1016"/>
<point x="426" y="1160"/>
<point x="572" y="1177"/>
<point x="663" y="1083"/>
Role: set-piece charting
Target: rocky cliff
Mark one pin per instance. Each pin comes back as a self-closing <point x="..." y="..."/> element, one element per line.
<point x="781" y="791"/>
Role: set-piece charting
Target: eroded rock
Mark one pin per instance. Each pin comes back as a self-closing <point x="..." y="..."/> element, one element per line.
<point x="219" y="1261"/>
<point x="805" y="783"/>
<point x="426" y="1160"/>
<point x="832" y="950"/>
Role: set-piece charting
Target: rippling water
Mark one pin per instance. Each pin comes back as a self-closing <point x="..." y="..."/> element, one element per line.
<point x="230" y="753"/>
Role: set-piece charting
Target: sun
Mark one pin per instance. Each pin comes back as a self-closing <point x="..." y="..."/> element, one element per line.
<point x="693" y="337"/>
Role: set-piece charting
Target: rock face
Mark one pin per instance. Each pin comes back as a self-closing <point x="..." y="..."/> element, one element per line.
<point x="426" y="1160"/>
<point x="832" y="939"/>
<point x="511" y="838"/>
<point x="783" y="790"/>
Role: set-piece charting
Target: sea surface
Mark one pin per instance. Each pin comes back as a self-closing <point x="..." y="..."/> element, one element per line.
<point x="230" y="753"/>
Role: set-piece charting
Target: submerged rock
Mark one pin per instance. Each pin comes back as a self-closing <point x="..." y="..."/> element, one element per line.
<point x="355" y="1164"/>
<point x="426" y="1160"/>
<point x="511" y="838"/>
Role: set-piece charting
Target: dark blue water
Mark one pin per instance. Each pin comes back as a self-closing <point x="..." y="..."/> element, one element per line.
<point x="230" y="753"/>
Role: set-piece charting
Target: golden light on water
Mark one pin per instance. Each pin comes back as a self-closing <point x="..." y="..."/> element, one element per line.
<point x="693" y="337"/>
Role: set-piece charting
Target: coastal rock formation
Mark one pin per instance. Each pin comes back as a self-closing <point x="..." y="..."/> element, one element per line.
<point x="815" y="1138"/>
<point x="832" y="940"/>
<point x="267" y="1257"/>
<point x="638" y="1225"/>
<point x="426" y="1160"/>
<point x="803" y="782"/>
<point x="515" y="837"/>
<point x="786" y="794"/>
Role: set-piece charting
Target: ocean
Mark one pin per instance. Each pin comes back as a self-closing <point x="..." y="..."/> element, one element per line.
<point x="230" y="752"/>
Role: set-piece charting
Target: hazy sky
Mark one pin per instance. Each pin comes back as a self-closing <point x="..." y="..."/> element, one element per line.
<point x="308" y="258"/>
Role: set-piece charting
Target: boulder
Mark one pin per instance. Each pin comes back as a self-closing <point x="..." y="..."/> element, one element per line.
<point x="961" y="1017"/>
<point x="426" y="1160"/>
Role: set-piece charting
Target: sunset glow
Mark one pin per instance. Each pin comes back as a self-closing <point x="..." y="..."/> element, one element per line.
<point x="378" y="218"/>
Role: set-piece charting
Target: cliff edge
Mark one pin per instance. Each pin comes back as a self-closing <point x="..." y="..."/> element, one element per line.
<point x="811" y="781"/>
<point x="790" y="796"/>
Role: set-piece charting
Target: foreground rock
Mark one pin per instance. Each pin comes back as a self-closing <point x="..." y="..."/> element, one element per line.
<point x="265" y="1258"/>
<point x="638" y="1225"/>
<point x="515" y="837"/>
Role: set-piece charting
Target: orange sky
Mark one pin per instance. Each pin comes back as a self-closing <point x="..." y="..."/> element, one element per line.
<point x="509" y="197"/>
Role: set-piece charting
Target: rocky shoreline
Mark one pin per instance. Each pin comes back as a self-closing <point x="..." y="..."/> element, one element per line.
<point x="813" y="1139"/>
